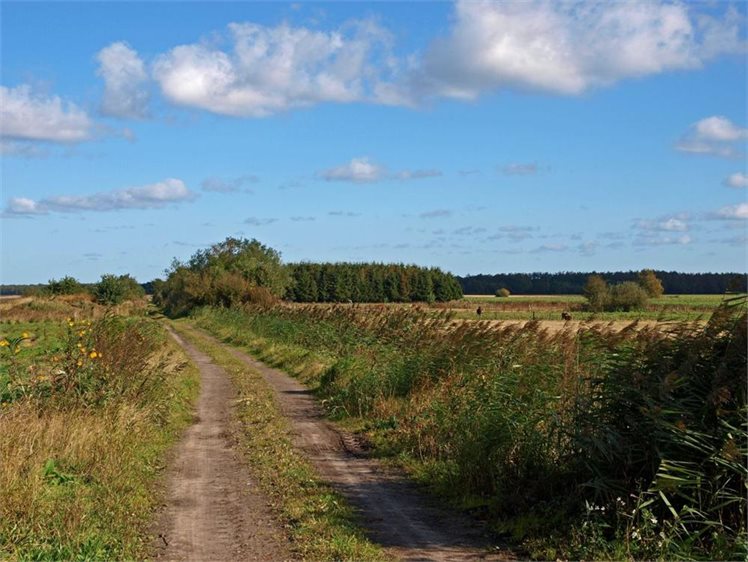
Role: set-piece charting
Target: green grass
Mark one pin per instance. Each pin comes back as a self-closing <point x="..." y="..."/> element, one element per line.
<point x="589" y="443"/>
<point x="321" y="524"/>
<point x="80" y="470"/>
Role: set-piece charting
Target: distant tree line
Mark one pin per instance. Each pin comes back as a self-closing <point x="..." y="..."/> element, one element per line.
<point x="573" y="283"/>
<point x="370" y="282"/>
<point x="111" y="289"/>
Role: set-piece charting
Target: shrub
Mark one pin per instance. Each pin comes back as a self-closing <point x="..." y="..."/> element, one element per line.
<point x="503" y="292"/>
<point x="650" y="283"/>
<point x="627" y="296"/>
<point x="597" y="293"/>
<point x="113" y="289"/>
<point x="65" y="286"/>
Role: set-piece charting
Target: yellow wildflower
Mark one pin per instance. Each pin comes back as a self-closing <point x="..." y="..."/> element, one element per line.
<point x="79" y="363"/>
<point x="93" y="355"/>
<point x="4" y="343"/>
<point x="25" y="335"/>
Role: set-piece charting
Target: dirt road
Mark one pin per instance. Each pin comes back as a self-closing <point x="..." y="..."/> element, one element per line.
<point x="395" y="514"/>
<point x="213" y="510"/>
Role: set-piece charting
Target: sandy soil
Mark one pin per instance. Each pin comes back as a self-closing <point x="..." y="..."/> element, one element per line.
<point x="395" y="514"/>
<point x="213" y="510"/>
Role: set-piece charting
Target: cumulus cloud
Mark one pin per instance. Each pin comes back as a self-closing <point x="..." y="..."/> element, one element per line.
<point x="363" y="170"/>
<point x="737" y="180"/>
<point x="733" y="212"/>
<point x="273" y="69"/>
<point x="673" y="223"/>
<point x="553" y="247"/>
<point x="228" y="185"/>
<point x="569" y="47"/>
<point x="358" y="170"/>
<point x="152" y="196"/>
<point x="716" y="136"/>
<point x="125" y="81"/>
<point x="36" y="117"/>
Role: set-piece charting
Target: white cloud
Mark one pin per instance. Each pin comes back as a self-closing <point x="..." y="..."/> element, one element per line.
<point x="125" y="78"/>
<point x="150" y="196"/>
<point x="738" y="179"/>
<point x="28" y="116"/>
<point x="272" y="69"/>
<point x="568" y="47"/>
<point x="674" y="223"/>
<point x="662" y="240"/>
<point x="554" y="247"/>
<point x="362" y="170"/>
<point x="358" y="170"/>
<point x="716" y="136"/>
<point x="733" y="212"/>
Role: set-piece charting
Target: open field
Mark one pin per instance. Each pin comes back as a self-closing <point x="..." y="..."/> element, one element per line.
<point x="86" y="418"/>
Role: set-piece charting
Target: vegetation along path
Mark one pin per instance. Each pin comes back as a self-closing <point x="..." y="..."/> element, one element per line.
<point x="394" y="513"/>
<point x="213" y="510"/>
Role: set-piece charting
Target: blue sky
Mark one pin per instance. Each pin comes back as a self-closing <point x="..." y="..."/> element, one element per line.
<point x="480" y="137"/>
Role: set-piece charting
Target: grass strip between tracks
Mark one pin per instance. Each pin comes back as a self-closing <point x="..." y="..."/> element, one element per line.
<point x="321" y="523"/>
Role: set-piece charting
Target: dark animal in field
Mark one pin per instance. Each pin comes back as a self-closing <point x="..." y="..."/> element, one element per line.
<point x="565" y="316"/>
<point x="479" y="311"/>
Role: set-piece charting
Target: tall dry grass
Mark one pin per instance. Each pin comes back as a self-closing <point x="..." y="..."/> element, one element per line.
<point x="84" y="426"/>
<point x="638" y="434"/>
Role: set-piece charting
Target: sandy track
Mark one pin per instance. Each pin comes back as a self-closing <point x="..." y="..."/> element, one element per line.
<point x="395" y="514"/>
<point x="213" y="510"/>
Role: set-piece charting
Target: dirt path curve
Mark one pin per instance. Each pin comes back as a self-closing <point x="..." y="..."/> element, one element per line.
<point x="395" y="514"/>
<point x="213" y="510"/>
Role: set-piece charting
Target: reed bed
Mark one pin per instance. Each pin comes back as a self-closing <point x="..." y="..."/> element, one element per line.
<point x="586" y="442"/>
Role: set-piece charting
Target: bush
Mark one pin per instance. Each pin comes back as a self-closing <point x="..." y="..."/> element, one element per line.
<point x="627" y="296"/>
<point x="65" y="286"/>
<point x="503" y="292"/>
<point x="597" y="293"/>
<point x="650" y="283"/>
<point x="113" y="289"/>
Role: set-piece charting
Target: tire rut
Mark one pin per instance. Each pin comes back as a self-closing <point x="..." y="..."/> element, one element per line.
<point x="213" y="510"/>
<point x="394" y="513"/>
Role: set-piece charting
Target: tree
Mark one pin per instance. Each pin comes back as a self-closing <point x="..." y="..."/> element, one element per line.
<point x="66" y="286"/>
<point x="650" y="283"/>
<point x="113" y="289"/>
<point x="597" y="293"/>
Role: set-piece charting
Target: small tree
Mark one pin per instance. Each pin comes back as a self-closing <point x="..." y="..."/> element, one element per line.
<point x="503" y="292"/>
<point x="113" y="289"/>
<point x="597" y="293"/>
<point x="627" y="296"/>
<point x="66" y="286"/>
<point x="650" y="283"/>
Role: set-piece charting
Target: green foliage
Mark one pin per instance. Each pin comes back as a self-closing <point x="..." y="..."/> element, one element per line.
<point x="114" y="289"/>
<point x="370" y="282"/>
<point x="229" y="273"/>
<point x="650" y="283"/>
<point x="627" y="296"/>
<point x="66" y="286"/>
<point x="503" y="293"/>
<point x="536" y="427"/>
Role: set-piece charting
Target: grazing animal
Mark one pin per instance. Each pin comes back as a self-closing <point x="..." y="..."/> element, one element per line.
<point x="565" y="316"/>
<point x="479" y="311"/>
